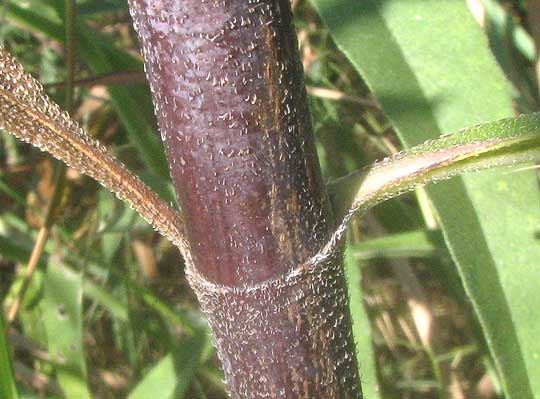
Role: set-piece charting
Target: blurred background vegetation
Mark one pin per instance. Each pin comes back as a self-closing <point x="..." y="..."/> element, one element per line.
<point x="107" y="313"/>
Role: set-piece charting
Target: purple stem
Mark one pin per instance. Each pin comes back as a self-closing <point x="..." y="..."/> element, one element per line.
<point x="231" y="104"/>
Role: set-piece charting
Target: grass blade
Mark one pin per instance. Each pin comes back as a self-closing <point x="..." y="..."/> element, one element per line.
<point x="133" y="103"/>
<point x="26" y="112"/>
<point x="437" y="76"/>
<point x="361" y="328"/>
<point x="8" y="388"/>
<point x="62" y="312"/>
<point x="172" y="376"/>
<point x="417" y="243"/>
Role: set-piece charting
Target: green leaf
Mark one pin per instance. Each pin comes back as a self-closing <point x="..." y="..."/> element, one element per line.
<point x="133" y="103"/>
<point x="171" y="377"/>
<point x="507" y="37"/>
<point x="62" y="313"/>
<point x="8" y="388"/>
<point x="428" y="64"/>
<point x="117" y="308"/>
<point x="505" y="142"/>
<point x="361" y="328"/>
<point x="15" y="251"/>
<point x="117" y="220"/>
<point x="504" y="25"/>
<point x="97" y="9"/>
<point x="418" y="243"/>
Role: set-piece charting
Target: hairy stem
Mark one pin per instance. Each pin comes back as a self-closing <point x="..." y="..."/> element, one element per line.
<point x="282" y="323"/>
<point x="232" y="109"/>
<point x="231" y="103"/>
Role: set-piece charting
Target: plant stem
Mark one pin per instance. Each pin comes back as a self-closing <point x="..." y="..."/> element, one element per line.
<point x="232" y="107"/>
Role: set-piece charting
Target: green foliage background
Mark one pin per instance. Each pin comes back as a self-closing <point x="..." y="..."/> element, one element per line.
<point x="443" y="282"/>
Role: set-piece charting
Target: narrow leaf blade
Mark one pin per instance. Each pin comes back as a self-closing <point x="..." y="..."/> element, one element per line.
<point x="8" y="388"/>
<point x="173" y="374"/>
<point x="62" y="311"/>
<point x="428" y="64"/>
<point x="361" y="328"/>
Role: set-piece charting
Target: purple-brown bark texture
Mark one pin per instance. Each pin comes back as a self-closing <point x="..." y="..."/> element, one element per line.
<point x="232" y="108"/>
